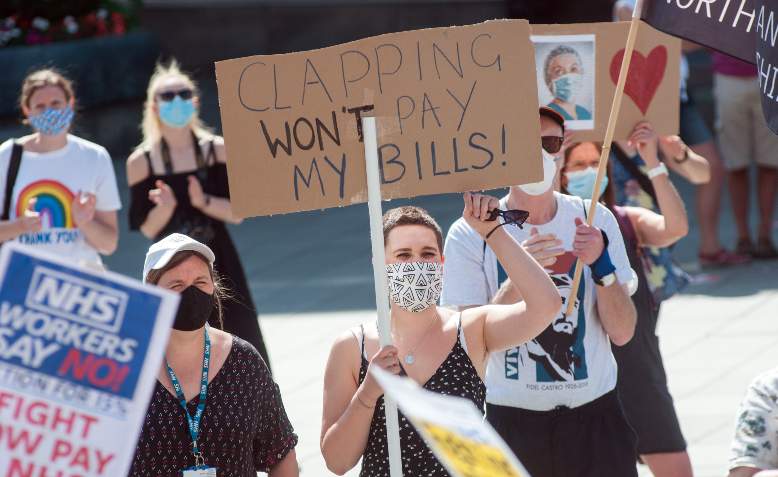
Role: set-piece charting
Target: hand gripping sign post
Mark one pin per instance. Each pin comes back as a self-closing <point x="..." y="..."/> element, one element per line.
<point x="447" y="116"/>
<point x="454" y="429"/>
<point x="608" y="141"/>
<point x="79" y="355"/>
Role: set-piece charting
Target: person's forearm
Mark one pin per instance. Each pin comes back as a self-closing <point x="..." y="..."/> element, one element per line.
<point x="287" y="467"/>
<point x="696" y="168"/>
<point x="526" y="275"/>
<point x="344" y="442"/>
<point x="507" y="294"/>
<point x="103" y="237"/>
<point x="9" y="230"/>
<point x="617" y="313"/>
<point x="220" y="209"/>
<point x="671" y="207"/>
<point x="156" y="220"/>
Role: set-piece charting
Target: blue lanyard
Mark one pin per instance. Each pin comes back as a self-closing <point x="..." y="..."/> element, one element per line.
<point x="194" y="422"/>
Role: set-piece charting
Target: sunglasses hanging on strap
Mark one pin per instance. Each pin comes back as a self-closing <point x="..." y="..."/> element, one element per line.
<point x="515" y="216"/>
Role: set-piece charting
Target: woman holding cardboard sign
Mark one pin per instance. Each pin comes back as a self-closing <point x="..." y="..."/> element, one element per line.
<point x="178" y="183"/>
<point x="446" y="351"/>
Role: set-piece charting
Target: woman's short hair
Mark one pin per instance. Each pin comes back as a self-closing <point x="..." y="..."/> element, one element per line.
<point x="558" y="51"/>
<point x="42" y="78"/>
<point x="410" y="215"/>
<point x="220" y="291"/>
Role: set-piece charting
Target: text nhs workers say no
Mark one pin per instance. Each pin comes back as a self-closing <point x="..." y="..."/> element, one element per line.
<point x="74" y="326"/>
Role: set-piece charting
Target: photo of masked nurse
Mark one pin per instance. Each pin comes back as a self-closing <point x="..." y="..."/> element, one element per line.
<point x="563" y="74"/>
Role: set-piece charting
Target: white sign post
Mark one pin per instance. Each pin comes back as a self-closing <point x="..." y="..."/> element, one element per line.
<point x="379" y="279"/>
<point x="79" y="355"/>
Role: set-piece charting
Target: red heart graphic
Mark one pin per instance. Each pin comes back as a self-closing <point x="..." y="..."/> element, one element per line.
<point x="645" y="75"/>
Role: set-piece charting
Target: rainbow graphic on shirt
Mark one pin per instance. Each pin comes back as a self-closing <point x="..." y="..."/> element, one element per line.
<point x="54" y="203"/>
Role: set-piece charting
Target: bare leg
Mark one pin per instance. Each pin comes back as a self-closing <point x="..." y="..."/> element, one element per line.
<point x="709" y="199"/>
<point x="670" y="464"/>
<point x="767" y="178"/>
<point x="739" y="190"/>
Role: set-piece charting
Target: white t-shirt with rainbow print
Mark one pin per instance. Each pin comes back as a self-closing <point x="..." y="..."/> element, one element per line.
<point x="54" y="179"/>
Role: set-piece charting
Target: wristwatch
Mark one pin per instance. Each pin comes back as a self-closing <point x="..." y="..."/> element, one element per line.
<point x="607" y="280"/>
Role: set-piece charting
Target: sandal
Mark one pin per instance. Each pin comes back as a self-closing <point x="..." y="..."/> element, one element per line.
<point x="745" y="247"/>
<point x="722" y="258"/>
<point x="765" y="250"/>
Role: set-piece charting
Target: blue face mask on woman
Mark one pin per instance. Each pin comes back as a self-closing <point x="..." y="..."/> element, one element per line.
<point x="52" y="121"/>
<point x="567" y="86"/>
<point x="581" y="183"/>
<point x="176" y="113"/>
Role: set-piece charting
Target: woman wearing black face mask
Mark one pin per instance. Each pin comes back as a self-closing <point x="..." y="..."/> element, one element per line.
<point x="215" y="405"/>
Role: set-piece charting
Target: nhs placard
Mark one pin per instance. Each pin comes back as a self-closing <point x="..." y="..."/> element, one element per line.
<point x="83" y="301"/>
<point x="80" y="344"/>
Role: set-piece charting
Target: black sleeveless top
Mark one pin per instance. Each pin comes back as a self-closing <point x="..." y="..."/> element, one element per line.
<point x="240" y="312"/>
<point x="456" y="376"/>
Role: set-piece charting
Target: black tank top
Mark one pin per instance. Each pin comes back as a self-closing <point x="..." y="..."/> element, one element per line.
<point x="456" y="376"/>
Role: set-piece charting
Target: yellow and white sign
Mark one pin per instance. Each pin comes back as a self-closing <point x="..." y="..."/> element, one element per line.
<point x="454" y="429"/>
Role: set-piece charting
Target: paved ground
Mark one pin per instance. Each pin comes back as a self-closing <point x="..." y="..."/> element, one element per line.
<point x="311" y="274"/>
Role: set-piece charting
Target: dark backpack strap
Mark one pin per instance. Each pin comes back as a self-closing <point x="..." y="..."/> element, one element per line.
<point x="210" y="158"/>
<point x="10" y="179"/>
<point x="634" y="171"/>
<point x="147" y="155"/>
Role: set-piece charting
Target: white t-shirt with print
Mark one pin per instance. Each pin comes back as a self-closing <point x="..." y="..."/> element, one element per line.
<point x="54" y="179"/>
<point x="570" y="363"/>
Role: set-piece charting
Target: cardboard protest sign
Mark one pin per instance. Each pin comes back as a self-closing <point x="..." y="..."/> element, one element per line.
<point x="767" y="60"/>
<point x="578" y="67"/>
<point x="454" y="429"/>
<point x="79" y="355"/>
<point x="724" y="25"/>
<point x="450" y="105"/>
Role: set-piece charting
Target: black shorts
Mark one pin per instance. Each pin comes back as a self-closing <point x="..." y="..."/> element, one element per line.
<point x="593" y="440"/>
<point x="643" y="390"/>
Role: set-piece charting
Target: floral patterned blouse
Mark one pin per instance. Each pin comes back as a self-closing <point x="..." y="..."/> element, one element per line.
<point x="665" y="278"/>
<point x="756" y="430"/>
<point x="244" y="429"/>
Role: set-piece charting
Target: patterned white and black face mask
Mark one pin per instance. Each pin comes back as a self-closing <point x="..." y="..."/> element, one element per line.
<point x="415" y="286"/>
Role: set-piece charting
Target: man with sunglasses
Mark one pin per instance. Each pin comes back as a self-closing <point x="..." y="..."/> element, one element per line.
<point x="553" y="399"/>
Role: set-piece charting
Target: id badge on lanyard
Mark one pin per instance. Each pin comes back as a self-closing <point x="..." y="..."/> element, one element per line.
<point x="199" y="469"/>
<point x="203" y="472"/>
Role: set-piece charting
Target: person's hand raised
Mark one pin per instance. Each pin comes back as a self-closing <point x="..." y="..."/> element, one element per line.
<point x="544" y="248"/>
<point x="588" y="244"/>
<point x="476" y="212"/>
<point x="163" y="196"/>
<point x="84" y="207"/>
<point x="646" y="141"/>
<point x="30" y="222"/>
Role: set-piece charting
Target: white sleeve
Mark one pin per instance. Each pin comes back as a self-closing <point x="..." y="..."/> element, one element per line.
<point x="106" y="190"/>
<point x="5" y="159"/>
<point x="756" y="426"/>
<point x="618" y="253"/>
<point x="464" y="280"/>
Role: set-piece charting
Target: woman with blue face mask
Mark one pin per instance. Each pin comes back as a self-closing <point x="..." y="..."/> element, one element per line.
<point x="647" y="233"/>
<point x="564" y="75"/>
<point x="58" y="192"/>
<point x="178" y="183"/>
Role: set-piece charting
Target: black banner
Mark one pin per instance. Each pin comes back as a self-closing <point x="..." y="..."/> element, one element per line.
<point x="767" y="59"/>
<point x="724" y="25"/>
